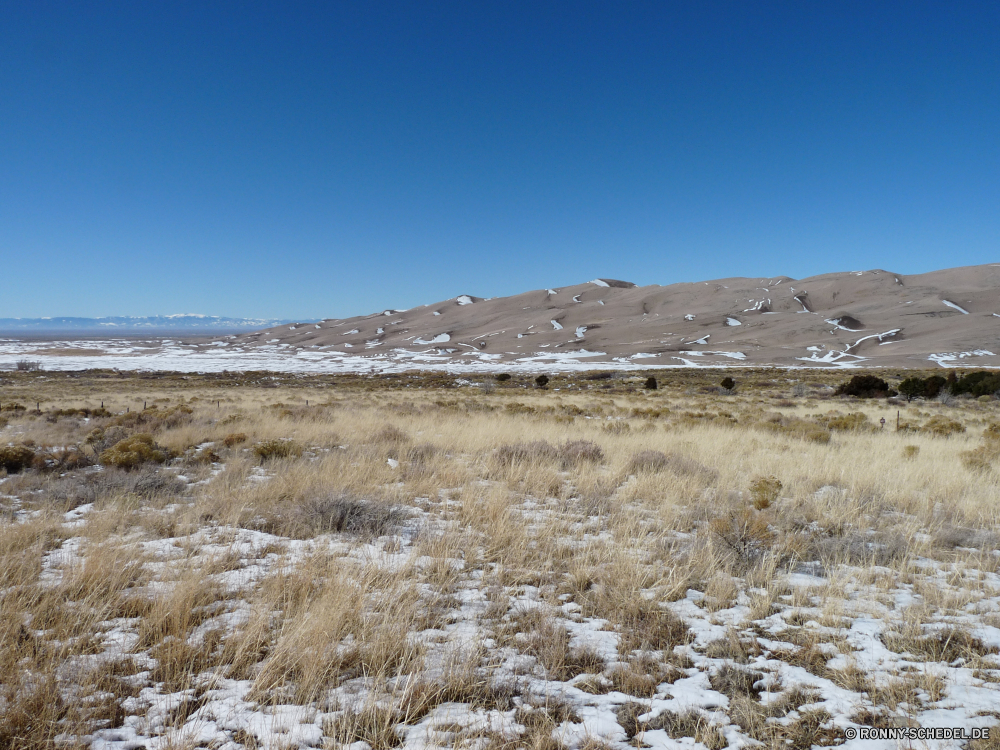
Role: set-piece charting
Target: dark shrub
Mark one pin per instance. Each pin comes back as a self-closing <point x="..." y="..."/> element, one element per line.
<point x="977" y="384"/>
<point x="728" y="383"/>
<point x="650" y="383"/>
<point x="234" y="438"/>
<point x="599" y="376"/>
<point x="503" y="377"/>
<point x="134" y="451"/>
<point x="542" y="380"/>
<point x="922" y="387"/>
<point x="15" y="458"/>
<point x="865" y="386"/>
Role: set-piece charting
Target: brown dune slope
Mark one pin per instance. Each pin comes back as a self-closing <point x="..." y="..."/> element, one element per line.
<point x="877" y="317"/>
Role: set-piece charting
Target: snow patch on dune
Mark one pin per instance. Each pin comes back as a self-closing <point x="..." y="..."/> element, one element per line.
<point x="441" y="338"/>
<point x="580" y="330"/>
<point x="464" y="299"/>
<point x="956" y="307"/>
<point x="600" y="282"/>
<point x="733" y="322"/>
<point x="556" y="324"/>
<point x="947" y="359"/>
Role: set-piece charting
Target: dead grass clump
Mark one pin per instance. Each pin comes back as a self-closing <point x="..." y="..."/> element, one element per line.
<point x="733" y="647"/>
<point x="390" y="434"/>
<point x="372" y="724"/>
<point x="133" y="452"/>
<point x="145" y="483"/>
<point x="234" y="438"/>
<point x="576" y="452"/>
<point x="646" y="626"/>
<point x="269" y="450"/>
<point x="692" y="723"/>
<point x="422" y="453"/>
<point x="341" y="513"/>
<point x="674" y="463"/>
<point x="15" y="458"/>
<point x="911" y="451"/>
<point x="541" y="636"/>
<point x="522" y="453"/>
<point x="642" y="674"/>
<point x="733" y="681"/>
<point x="945" y="645"/>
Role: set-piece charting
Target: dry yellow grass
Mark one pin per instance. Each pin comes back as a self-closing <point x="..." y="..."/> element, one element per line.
<point x="352" y="557"/>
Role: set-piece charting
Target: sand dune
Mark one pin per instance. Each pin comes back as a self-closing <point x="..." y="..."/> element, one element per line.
<point x="873" y="317"/>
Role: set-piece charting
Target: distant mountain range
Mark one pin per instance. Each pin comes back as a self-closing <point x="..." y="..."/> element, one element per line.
<point x="154" y="324"/>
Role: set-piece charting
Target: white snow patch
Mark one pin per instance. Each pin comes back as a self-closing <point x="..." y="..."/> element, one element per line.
<point x="580" y="330"/>
<point x="599" y="282"/>
<point x="689" y="316"/>
<point x="953" y="305"/>
<point x="441" y="338"/>
<point x="464" y="299"/>
<point x="733" y="322"/>
<point x="556" y="324"/>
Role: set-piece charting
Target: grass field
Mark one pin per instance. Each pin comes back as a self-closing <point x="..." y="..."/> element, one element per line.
<point x="262" y="560"/>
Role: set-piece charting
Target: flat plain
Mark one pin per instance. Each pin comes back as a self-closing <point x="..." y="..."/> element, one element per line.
<point x="423" y="560"/>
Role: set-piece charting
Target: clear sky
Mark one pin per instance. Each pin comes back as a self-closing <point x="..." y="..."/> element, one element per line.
<point x="320" y="160"/>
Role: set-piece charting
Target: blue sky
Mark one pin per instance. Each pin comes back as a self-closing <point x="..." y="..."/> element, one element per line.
<point x="330" y="159"/>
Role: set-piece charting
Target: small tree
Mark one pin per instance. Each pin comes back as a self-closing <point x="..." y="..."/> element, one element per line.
<point x="728" y="383"/>
<point x="912" y="387"/>
<point x="542" y="380"/>
<point x="651" y="383"/>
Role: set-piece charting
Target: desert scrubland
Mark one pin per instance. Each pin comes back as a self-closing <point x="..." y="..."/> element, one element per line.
<point x="259" y="560"/>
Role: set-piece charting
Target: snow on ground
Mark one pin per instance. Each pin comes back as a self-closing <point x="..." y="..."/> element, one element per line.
<point x="956" y="307"/>
<point x="815" y="652"/>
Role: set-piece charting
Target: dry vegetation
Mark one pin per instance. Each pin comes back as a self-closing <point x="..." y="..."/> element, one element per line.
<point x="265" y="560"/>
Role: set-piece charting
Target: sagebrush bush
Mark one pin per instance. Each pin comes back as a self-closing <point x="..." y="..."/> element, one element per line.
<point x="764" y="491"/>
<point x="856" y="421"/>
<point x="134" y="451"/>
<point x="542" y="380"/>
<point x="728" y="383"/>
<point x="234" y="438"/>
<point x="651" y="383"/>
<point x="502" y="376"/>
<point x="15" y="458"/>
<point x="271" y="449"/>
<point x="943" y="426"/>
